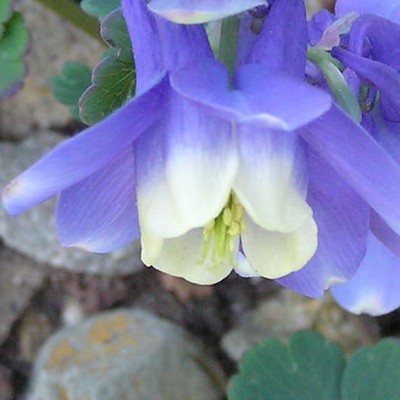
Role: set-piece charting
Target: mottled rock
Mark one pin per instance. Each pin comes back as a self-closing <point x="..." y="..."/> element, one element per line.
<point x="54" y="41"/>
<point x="126" y="354"/>
<point x="33" y="233"/>
<point x="287" y="312"/>
<point x="20" y="278"/>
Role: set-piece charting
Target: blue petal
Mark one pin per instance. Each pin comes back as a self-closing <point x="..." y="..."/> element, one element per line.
<point x="86" y="153"/>
<point x="145" y="40"/>
<point x="385" y="234"/>
<point x="99" y="213"/>
<point x="386" y="9"/>
<point x="282" y="43"/>
<point x="160" y="45"/>
<point x="246" y="38"/>
<point x="319" y="22"/>
<point x="199" y="11"/>
<point x="279" y="95"/>
<point x="271" y="99"/>
<point x="375" y="288"/>
<point x="343" y="224"/>
<point x="382" y="76"/>
<point x="183" y="44"/>
<point x="359" y="160"/>
<point x="377" y="38"/>
<point x="386" y="133"/>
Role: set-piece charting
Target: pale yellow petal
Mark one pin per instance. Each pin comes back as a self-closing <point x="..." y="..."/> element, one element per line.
<point x="271" y="182"/>
<point x="276" y="254"/>
<point x="184" y="257"/>
<point x="151" y="246"/>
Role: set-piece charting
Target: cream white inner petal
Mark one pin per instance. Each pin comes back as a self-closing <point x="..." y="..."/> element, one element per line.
<point x="184" y="257"/>
<point x="151" y="246"/>
<point x="157" y="211"/>
<point x="272" y="178"/>
<point x="276" y="254"/>
<point x="201" y="162"/>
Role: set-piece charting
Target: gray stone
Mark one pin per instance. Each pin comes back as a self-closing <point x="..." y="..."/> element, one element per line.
<point x="54" y="41"/>
<point x="125" y="355"/>
<point x="287" y="312"/>
<point x="33" y="233"/>
<point x="20" y="278"/>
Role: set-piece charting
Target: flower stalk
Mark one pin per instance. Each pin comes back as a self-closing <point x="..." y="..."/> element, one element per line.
<point x="71" y="11"/>
<point x="227" y="51"/>
<point x="336" y="82"/>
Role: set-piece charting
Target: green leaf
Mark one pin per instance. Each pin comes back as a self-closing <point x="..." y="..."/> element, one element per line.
<point x="69" y="86"/>
<point x="115" y="33"/>
<point x="111" y="88"/>
<point x="100" y="8"/>
<point x="113" y="77"/>
<point x="13" y="45"/>
<point x="373" y="373"/>
<point x="310" y="368"/>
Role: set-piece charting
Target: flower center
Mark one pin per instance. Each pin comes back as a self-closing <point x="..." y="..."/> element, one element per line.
<point x="221" y="233"/>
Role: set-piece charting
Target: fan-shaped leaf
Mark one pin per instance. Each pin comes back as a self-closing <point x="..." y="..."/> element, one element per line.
<point x="309" y="368"/>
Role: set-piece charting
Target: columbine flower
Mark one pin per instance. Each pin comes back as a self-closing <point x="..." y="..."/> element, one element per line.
<point x="198" y="180"/>
<point x="203" y="164"/>
<point x="372" y="59"/>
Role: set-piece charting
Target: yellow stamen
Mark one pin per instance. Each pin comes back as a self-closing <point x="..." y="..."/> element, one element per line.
<point x="221" y="233"/>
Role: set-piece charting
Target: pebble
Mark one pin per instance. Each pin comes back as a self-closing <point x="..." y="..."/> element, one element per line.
<point x="287" y="312"/>
<point x="20" y="279"/>
<point x="125" y="354"/>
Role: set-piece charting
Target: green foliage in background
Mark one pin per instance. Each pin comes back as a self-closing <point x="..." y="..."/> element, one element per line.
<point x="14" y="41"/>
<point x="112" y="80"/>
<point x="113" y="77"/>
<point x="100" y="8"/>
<point x="311" y="368"/>
<point x="68" y="87"/>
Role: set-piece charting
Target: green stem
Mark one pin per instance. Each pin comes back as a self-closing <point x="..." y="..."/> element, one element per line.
<point x="336" y="82"/>
<point x="71" y="11"/>
<point x="228" y="43"/>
